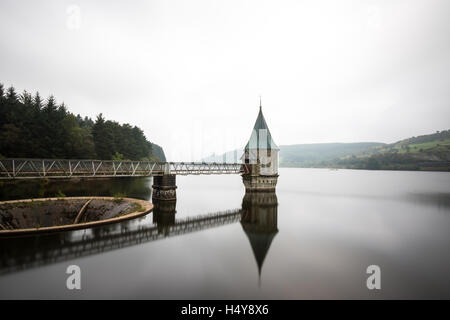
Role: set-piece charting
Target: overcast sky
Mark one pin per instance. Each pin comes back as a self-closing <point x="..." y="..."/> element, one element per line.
<point x="190" y="73"/>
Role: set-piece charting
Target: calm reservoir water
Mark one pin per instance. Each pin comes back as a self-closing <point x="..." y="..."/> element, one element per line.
<point x="314" y="238"/>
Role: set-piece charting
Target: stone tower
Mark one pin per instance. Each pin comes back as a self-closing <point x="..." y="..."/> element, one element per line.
<point x="260" y="158"/>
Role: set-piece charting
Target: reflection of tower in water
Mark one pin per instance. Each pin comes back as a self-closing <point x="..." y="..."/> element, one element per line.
<point x="258" y="218"/>
<point x="259" y="221"/>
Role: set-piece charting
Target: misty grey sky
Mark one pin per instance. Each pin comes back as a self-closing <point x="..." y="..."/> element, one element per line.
<point x="190" y="73"/>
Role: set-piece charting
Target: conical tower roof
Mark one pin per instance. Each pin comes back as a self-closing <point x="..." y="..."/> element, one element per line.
<point x="261" y="131"/>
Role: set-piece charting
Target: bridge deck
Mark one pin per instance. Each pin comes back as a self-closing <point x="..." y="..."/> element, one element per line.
<point x="64" y="168"/>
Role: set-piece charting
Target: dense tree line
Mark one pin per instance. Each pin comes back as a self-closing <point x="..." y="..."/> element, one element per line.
<point x="383" y="161"/>
<point x="33" y="128"/>
<point x="439" y="135"/>
<point x="391" y="161"/>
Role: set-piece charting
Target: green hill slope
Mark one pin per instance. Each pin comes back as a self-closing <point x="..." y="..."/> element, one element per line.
<point x="426" y="152"/>
<point x="319" y="154"/>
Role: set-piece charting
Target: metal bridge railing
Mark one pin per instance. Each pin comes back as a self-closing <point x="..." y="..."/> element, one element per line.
<point x="64" y="168"/>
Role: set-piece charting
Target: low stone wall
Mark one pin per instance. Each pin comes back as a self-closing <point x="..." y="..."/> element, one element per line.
<point x="58" y="214"/>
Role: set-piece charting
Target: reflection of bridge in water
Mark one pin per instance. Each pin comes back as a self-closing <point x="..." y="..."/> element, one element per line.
<point x="258" y="217"/>
<point x="28" y="252"/>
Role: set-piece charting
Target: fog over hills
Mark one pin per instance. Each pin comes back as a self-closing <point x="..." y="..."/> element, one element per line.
<point x="303" y="155"/>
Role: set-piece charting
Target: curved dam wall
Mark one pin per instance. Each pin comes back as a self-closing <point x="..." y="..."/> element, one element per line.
<point x="63" y="212"/>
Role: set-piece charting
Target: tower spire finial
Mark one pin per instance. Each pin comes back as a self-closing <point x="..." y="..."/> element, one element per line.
<point x="260" y="103"/>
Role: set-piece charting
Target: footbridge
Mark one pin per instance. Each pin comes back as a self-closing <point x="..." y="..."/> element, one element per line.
<point x="65" y="168"/>
<point x="163" y="173"/>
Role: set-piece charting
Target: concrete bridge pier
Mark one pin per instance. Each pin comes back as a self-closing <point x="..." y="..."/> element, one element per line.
<point x="164" y="187"/>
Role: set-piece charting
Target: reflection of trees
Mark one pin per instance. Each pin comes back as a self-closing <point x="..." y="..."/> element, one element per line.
<point x="139" y="188"/>
<point x="259" y="221"/>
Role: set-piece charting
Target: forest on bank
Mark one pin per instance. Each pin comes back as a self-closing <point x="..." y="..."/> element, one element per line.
<point x="31" y="127"/>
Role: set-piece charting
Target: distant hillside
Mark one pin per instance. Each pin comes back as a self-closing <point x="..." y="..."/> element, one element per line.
<point x="158" y="152"/>
<point x="303" y="155"/>
<point x="317" y="154"/>
<point x="426" y="152"/>
<point x="228" y="157"/>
